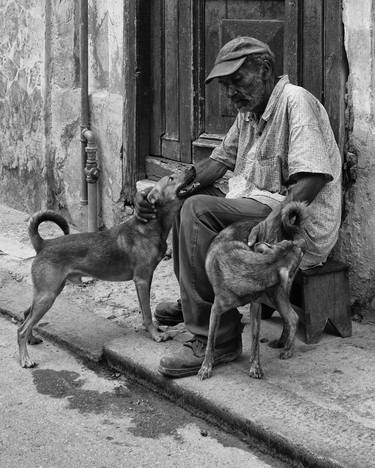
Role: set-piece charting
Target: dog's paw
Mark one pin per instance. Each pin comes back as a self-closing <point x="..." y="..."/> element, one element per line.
<point x="276" y="344"/>
<point x="286" y="354"/>
<point x="205" y="372"/>
<point x="27" y="363"/>
<point x="256" y="372"/>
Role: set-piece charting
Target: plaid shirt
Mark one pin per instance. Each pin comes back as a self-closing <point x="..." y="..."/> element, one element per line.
<point x="293" y="136"/>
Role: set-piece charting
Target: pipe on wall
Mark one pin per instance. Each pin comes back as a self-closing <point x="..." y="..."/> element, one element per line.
<point x="83" y="39"/>
<point x="92" y="175"/>
<point x="89" y="166"/>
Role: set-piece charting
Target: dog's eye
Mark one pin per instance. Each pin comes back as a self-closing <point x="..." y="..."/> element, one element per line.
<point x="171" y="179"/>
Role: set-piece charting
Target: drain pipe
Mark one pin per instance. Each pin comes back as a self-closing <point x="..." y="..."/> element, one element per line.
<point x="92" y="175"/>
<point x="89" y="166"/>
<point x="83" y="63"/>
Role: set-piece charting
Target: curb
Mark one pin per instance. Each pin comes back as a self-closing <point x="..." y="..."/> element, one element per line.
<point x="272" y="443"/>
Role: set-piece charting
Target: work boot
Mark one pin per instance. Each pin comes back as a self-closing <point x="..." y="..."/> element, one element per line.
<point x="169" y="313"/>
<point x="188" y="361"/>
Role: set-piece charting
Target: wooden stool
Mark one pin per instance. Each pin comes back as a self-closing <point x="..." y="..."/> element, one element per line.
<point x="321" y="295"/>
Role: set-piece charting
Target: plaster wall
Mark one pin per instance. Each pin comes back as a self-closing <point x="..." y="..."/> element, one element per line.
<point x="357" y="240"/>
<point x="22" y="181"/>
<point x="105" y="86"/>
<point x="40" y="105"/>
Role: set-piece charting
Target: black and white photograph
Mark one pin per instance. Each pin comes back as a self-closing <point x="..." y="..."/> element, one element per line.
<point x="187" y="233"/>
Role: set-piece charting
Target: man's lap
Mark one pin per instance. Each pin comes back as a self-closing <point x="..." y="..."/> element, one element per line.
<point x="222" y="211"/>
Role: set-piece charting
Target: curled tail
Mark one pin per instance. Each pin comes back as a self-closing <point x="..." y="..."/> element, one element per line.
<point x="40" y="217"/>
<point x="293" y="218"/>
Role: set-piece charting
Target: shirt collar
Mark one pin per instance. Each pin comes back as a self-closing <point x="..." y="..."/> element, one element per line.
<point x="275" y="96"/>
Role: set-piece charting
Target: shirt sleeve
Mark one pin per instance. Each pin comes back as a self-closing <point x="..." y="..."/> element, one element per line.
<point x="308" y="144"/>
<point x="226" y="151"/>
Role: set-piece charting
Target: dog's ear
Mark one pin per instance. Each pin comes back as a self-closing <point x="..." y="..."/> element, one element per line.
<point x="153" y="196"/>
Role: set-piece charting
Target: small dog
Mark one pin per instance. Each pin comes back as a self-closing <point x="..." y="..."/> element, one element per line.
<point x="129" y="251"/>
<point x="240" y="275"/>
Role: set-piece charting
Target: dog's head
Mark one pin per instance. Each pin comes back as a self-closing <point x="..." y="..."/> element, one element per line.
<point x="168" y="187"/>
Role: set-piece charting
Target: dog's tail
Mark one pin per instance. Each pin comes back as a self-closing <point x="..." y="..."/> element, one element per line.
<point x="40" y="217"/>
<point x="293" y="218"/>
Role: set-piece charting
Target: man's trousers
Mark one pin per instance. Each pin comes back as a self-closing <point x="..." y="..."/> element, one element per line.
<point x="201" y="218"/>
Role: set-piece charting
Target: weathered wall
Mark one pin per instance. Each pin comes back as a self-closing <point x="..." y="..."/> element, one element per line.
<point x="40" y="105"/>
<point x="105" y="61"/>
<point x="357" y="241"/>
<point x="22" y="182"/>
<point x="106" y="90"/>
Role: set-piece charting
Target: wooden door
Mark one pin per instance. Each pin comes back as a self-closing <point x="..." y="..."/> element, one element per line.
<point x="171" y="79"/>
<point x="187" y="117"/>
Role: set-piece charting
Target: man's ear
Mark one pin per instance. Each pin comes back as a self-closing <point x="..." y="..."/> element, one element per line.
<point x="153" y="196"/>
<point x="266" y="70"/>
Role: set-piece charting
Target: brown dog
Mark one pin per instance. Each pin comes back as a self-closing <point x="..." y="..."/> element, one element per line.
<point x="240" y="275"/>
<point x="129" y="251"/>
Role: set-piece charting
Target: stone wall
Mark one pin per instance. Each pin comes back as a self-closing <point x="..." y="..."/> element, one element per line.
<point x="357" y="241"/>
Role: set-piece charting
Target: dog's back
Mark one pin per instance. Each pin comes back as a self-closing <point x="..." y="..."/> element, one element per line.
<point x="231" y="263"/>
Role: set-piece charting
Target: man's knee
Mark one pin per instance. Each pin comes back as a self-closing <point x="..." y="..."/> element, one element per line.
<point x="195" y="206"/>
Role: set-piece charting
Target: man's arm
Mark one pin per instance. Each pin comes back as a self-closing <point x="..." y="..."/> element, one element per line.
<point x="208" y="171"/>
<point x="305" y="188"/>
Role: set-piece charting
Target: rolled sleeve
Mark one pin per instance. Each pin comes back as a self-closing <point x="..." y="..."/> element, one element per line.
<point x="308" y="152"/>
<point x="226" y="152"/>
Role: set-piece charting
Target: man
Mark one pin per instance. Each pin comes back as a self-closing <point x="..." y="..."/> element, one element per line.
<point x="280" y="148"/>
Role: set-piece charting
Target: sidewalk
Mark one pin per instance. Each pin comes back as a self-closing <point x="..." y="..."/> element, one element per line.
<point x="317" y="408"/>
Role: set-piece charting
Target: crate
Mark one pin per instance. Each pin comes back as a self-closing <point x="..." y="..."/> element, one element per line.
<point x="321" y="295"/>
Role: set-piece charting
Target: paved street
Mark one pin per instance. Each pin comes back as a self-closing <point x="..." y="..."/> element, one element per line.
<point x="62" y="414"/>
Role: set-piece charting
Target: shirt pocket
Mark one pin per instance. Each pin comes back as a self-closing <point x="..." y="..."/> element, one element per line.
<point x="266" y="150"/>
<point x="266" y="175"/>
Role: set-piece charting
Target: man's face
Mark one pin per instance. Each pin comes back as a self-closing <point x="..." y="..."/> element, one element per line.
<point x="246" y="89"/>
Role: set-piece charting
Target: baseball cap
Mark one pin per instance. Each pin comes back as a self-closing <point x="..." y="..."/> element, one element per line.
<point x="233" y="54"/>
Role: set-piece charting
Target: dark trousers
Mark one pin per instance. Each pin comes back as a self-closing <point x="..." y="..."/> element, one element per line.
<point x="201" y="218"/>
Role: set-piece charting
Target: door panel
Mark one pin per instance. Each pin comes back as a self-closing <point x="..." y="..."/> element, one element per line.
<point x="171" y="78"/>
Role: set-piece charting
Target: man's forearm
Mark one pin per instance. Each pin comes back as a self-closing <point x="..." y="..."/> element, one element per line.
<point x="306" y="188"/>
<point x="208" y="171"/>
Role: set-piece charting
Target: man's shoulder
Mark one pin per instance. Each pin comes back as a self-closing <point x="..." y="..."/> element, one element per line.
<point x="295" y="92"/>
<point x="301" y="100"/>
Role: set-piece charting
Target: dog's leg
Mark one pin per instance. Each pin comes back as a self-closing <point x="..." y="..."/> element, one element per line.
<point x="286" y="280"/>
<point x="290" y="319"/>
<point x="206" y="368"/>
<point x="33" y="340"/>
<point x="42" y="302"/>
<point x="255" y="320"/>
<point x="143" y="287"/>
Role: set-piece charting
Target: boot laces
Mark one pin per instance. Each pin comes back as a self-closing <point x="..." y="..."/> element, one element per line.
<point x="197" y="345"/>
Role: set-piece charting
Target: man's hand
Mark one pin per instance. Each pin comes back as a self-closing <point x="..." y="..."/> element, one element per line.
<point x="143" y="209"/>
<point x="189" y="190"/>
<point x="267" y="230"/>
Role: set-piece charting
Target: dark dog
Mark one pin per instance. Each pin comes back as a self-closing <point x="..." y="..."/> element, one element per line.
<point x="240" y="275"/>
<point x="129" y="251"/>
